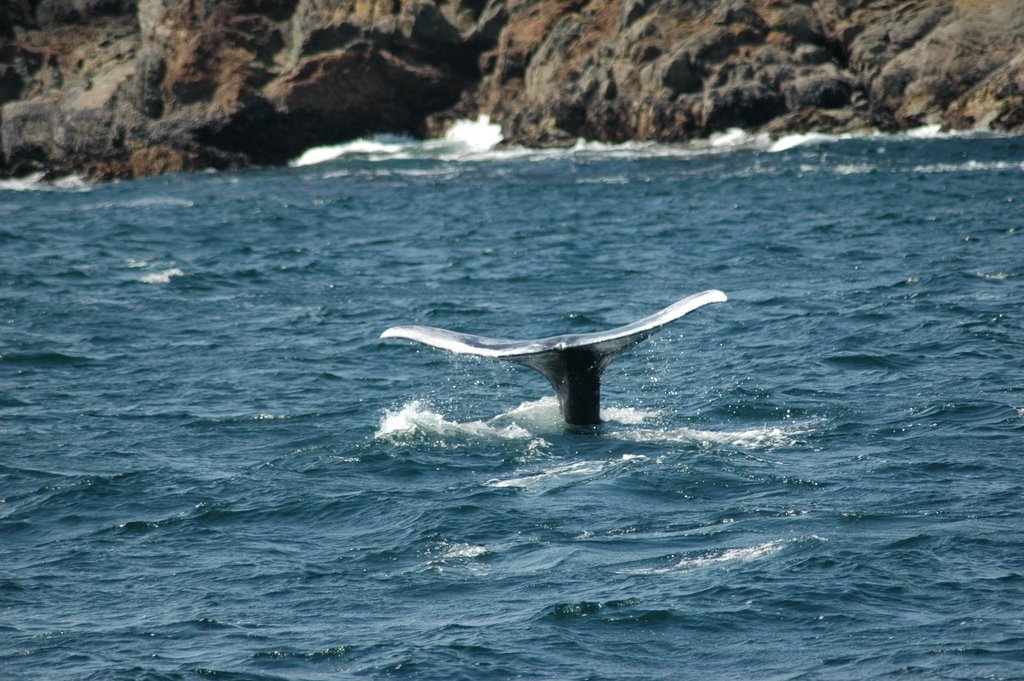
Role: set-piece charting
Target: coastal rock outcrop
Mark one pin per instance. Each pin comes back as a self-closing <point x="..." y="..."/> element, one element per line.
<point x="122" y="88"/>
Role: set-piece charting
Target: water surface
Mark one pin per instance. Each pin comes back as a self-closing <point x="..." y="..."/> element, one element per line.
<point x="211" y="467"/>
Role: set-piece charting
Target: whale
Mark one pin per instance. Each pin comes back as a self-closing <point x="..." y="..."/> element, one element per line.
<point x="572" y="363"/>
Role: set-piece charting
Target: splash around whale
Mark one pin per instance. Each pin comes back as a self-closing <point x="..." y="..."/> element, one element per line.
<point x="572" y="363"/>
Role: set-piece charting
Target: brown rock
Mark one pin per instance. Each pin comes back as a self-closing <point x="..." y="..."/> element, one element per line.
<point x="819" y="90"/>
<point x="31" y="132"/>
<point x="118" y="88"/>
<point x="354" y="92"/>
<point x="996" y="103"/>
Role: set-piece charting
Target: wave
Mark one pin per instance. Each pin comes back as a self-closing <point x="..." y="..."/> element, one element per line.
<point x="736" y="140"/>
<point x="927" y="132"/>
<point x="968" y="167"/>
<point x="557" y="476"/>
<point x="416" y="419"/>
<point x="996" y="276"/>
<point x="454" y="551"/>
<point x="276" y="654"/>
<point x="863" y="168"/>
<point x="524" y="421"/>
<point x="143" y="203"/>
<point x="619" y="611"/>
<point x="381" y="145"/>
<point x="576" y="472"/>
<point x="445" y="552"/>
<point x="726" y="142"/>
<point x="45" y="358"/>
<point x="481" y="140"/>
<point x="419" y="424"/>
<point x="721" y="557"/>
<point x="529" y="421"/>
<point x="533" y="421"/>
<point x="762" y="437"/>
<point x="787" y="142"/>
<point x="162" y="277"/>
<point x="935" y="131"/>
<point x="36" y="183"/>
<point x="544" y="415"/>
<point x="464" y="141"/>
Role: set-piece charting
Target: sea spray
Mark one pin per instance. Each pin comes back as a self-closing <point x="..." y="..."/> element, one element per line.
<point x="477" y="135"/>
<point x="465" y="139"/>
<point x="416" y="420"/>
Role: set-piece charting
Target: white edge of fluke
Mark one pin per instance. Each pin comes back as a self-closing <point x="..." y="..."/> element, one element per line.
<point x="502" y="348"/>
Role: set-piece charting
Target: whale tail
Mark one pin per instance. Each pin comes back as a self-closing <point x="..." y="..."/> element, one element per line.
<point x="573" y="363"/>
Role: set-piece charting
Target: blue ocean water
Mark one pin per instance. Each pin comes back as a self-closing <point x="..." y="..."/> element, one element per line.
<point x="211" y="466"/>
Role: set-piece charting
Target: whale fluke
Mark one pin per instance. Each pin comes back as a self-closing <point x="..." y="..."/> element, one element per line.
<point x="572" y="363"/>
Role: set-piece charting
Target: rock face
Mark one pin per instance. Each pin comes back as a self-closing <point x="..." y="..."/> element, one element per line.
<point x="122" y="88"/>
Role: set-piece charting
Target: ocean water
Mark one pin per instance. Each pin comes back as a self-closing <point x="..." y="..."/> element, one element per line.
<point x="211" y="467"/>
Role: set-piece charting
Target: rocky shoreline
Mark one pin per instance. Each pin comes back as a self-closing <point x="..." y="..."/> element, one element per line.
<point x="128" y="88"/>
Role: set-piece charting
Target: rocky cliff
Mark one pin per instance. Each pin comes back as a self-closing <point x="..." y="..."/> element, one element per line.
<point x="122" y="88"/>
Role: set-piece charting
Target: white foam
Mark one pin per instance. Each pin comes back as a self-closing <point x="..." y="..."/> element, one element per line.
<point x="415" y="418"/>
<point x="447" y="555"/>
<point x="480" y="140"/>
<point x="686" y="564"/>
<point x="720" y="143"/>
<point x="27" y="183"/>
<point x="722" y="556"/>
<point x="163" y="277"/>
<point x="742" y="555"/>
<point x="528" y="421"/>
<point x="729" y="141"/>
<point x="35" y="183"/>
<point x="538" y="416"/>
<point x="853" y="168"/>
<point x="764" y="437"/>
<point x="454" y="551"/>
<point x="558" y="475"/>
<point x="630" y="150"/>
<point x="967" y="167"/>
<point x="798" y="140"/>
<point x="465" y="139"/>
<point x="611" y="179"/>
<point x="925" y="132"/>
<point x="478" y="135"/>
<point x="144" y="203"/>
<point x="158" y="202"/>
<point x="931" y="132"/>
<point x="534" y="419"/>
<point x="995" y="276"/>
<point x="629" y="416"/>
<point x="385" y="145"/>
<point x="733" y="137"/>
